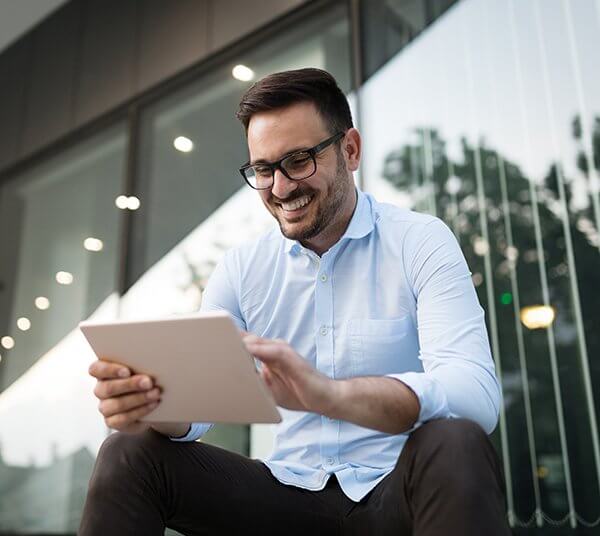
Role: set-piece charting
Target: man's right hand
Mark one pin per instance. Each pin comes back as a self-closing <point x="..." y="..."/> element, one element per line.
<point x="124" y="398"/>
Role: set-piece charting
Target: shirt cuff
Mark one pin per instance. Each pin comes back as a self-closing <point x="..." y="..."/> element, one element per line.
<point x="431" y="396"/>
<point x="197" y="430"/>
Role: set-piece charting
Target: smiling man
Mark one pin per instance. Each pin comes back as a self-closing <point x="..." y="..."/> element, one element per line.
<point x="370" y="337"/>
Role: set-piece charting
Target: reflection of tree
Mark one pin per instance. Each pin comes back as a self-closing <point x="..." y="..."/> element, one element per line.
<point x="423" y="167"/>
<point x="582" y="158"/>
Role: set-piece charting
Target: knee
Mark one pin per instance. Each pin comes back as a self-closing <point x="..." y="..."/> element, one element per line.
<point x="460" y="435"/>
<point x="454" y="447"/>
<point x="121" y="454"/>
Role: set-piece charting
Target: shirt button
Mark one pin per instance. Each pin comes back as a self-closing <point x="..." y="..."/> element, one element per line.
<point x="323" y="330"/>
<point x="324" y="278"/>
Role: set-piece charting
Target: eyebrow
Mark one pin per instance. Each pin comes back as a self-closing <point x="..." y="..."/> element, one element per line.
<point x="290" y="152"/>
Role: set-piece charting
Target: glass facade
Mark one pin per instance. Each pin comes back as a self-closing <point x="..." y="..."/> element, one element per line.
<point x="59" y="236"/>
<point x="496" y="130"/>
<point x="485" y="113"/>
<point x="191" y="205"/>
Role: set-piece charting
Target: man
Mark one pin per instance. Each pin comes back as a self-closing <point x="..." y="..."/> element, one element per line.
<point x="370" y="335"/>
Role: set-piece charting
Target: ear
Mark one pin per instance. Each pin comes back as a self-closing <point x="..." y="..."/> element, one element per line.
<point x="351" y="149"/>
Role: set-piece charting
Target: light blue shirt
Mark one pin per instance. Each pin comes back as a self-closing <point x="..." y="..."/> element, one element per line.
<point x="393" y="297"/>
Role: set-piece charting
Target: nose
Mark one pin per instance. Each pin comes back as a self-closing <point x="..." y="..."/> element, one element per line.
<point x="282" y="186"/>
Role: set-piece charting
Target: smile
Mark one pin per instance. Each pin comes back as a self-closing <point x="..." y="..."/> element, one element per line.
<point x="297" y="204"/>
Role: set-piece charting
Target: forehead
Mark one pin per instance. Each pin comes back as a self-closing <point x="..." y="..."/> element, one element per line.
<point x="274" y="133"/>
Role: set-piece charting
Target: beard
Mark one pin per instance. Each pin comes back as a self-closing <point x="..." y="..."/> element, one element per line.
<point x="330" y="207"/>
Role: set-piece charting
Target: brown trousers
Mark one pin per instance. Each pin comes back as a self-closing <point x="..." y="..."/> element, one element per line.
<point x="448" y="481"/>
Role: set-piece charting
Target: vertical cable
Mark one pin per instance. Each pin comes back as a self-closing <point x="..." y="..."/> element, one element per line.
<point x="443" y="74"/>
<point x="357" y="72"/>
<point x="489" y="275"/>
<point x="543" y="275"/>
<point x="581" y="340"/>
<point x="414" y="173"/>
<point x="453" y="199"/>
<point x="516" y="299"/>
<point x="428" y="169"/>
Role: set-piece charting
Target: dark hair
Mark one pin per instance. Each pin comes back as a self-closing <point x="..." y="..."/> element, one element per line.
<point x="279" y="90"/>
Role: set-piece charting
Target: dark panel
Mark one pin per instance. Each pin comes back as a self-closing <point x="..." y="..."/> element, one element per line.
<point x="14" y="65"/>
<point x="232" y="19"/>
<point x="107" y="66"/>
<point x="173" y="35"/>
<point x="50" y="92"/>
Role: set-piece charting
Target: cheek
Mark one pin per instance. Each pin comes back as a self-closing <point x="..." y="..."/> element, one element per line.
<point x="317" y="183"/>
<point x="264" y="196"/>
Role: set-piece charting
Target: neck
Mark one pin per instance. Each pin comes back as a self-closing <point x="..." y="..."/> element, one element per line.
<point x="330" y="236"/>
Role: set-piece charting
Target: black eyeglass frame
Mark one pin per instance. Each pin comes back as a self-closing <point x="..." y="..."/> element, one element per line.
<point x="277" y="165"/>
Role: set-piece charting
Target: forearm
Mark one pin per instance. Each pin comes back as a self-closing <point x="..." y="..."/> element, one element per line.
<point x="172" y="429"/>
<point x="380" y="403"/>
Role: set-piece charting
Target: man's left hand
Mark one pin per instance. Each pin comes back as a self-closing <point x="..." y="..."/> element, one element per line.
<point x="293" y="382"/>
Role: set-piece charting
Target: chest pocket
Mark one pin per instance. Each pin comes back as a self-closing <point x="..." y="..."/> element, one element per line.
<point x="379" y="347"/>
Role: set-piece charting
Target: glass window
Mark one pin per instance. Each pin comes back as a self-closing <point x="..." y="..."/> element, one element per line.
<point x="495" y="128"/>
<point x="59" y="235"/>
<point x="194" y="203"/>
<point x="390" y="25"/>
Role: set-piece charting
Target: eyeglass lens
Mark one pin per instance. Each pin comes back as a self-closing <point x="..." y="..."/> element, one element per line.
<point x="297" y="166"/>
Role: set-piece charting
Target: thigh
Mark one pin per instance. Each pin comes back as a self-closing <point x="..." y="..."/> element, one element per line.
<point x="214" y="491"/>
<point x="385" y="511"/>
<point x="447" y="478"/>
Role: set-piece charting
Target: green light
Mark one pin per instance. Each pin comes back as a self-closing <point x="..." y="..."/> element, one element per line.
<point x="506" y="298"/>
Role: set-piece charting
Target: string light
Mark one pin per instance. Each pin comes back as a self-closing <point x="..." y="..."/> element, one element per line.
<point x="42" y="303"/>
<point x="183" y="144"/>
<point x="93" y="244"/>
<point x="23" y="323"/>
<point x="7" y="342"/>
<point x="242" y="73"/>
<point x="64" y="278"/>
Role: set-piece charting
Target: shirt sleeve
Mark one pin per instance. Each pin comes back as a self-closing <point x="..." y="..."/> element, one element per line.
<point x="459" y="379"/>
<point x="197" y="430"/>
<point x="218" y="295"/>
<point x="221" y="292"/>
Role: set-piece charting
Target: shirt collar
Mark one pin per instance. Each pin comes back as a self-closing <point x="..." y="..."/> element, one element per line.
<point x="361" y="224"/>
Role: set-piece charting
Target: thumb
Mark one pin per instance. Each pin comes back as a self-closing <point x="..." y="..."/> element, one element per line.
<point x="265" y="352"/>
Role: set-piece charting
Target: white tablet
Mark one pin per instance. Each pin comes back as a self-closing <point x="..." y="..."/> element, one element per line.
<point x="199" y="361"/>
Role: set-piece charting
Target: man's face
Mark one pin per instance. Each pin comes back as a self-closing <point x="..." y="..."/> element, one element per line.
<point x="304" y="209"/>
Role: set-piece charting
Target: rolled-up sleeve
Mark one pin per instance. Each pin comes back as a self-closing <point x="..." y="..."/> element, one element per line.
<point x="459" y="379"/>
<point x="197" y="430"/>
<point x="219" y="295"/>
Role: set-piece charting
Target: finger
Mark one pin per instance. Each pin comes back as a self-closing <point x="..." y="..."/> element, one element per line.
<point x="110" y="388"/>
<point x="267" y="352"/>
<point x="250" y="337"/>
<point x="125" y="403"/>
<point x="263" y="340"/>
<point x="104" y="370"/>
<point x="122" y="420"/>
<point x="266" y="376"/>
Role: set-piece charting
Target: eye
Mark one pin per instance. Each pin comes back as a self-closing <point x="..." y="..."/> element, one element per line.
<point x="262" y="171"/>
<point x="297" y="160"/>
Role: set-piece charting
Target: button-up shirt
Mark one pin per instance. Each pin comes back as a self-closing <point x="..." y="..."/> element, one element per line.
<point x="393" y="297"/>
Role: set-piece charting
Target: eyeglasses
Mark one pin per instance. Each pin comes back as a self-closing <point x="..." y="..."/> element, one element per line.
<point x="295" y="166"/>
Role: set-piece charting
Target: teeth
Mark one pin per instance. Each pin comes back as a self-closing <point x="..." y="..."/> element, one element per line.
<point x="298" y="203"/>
